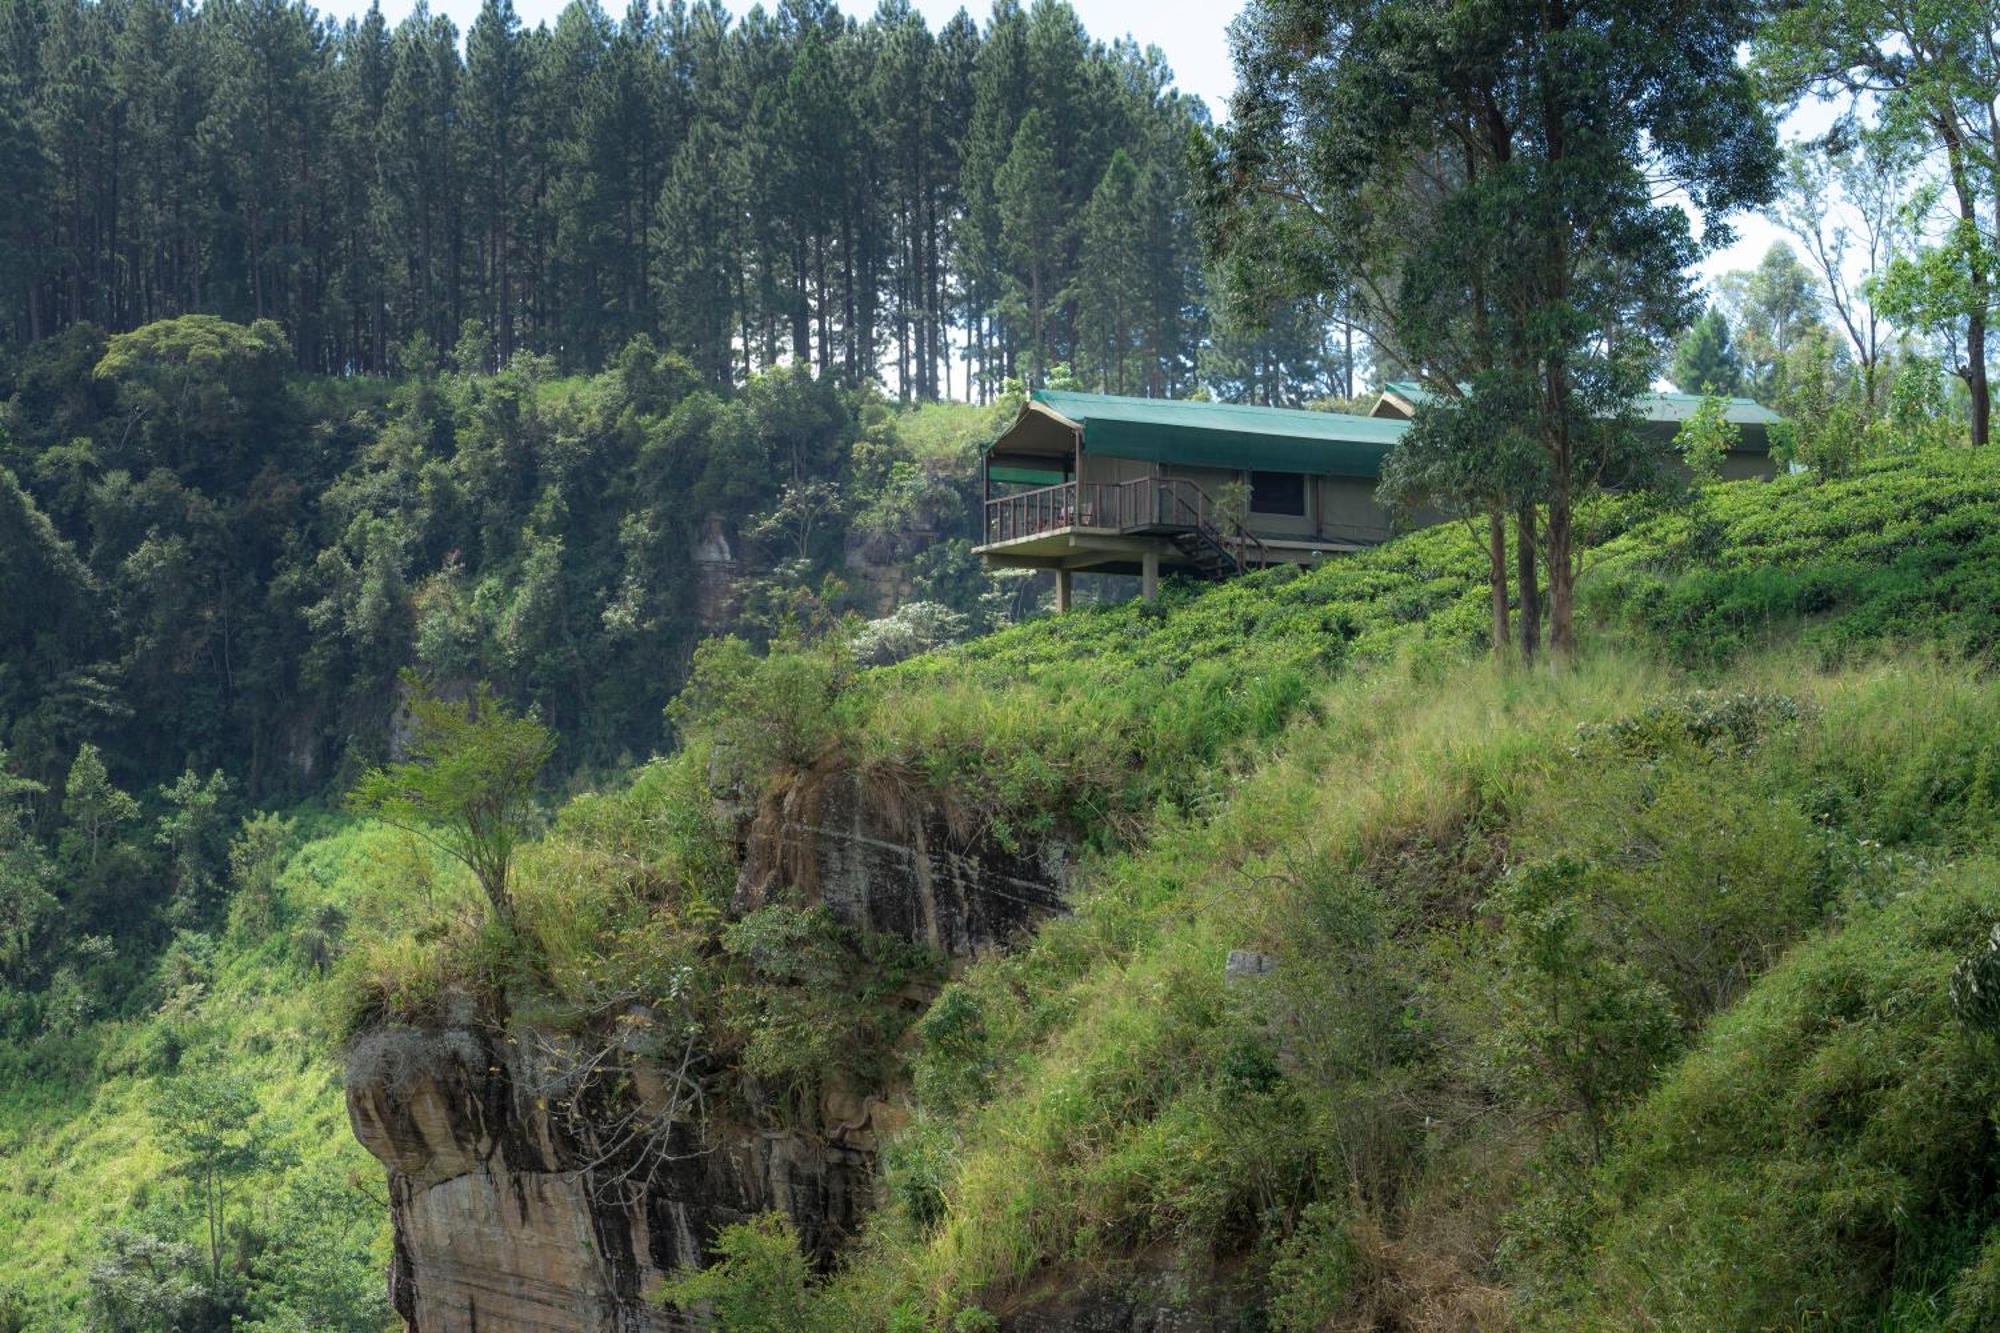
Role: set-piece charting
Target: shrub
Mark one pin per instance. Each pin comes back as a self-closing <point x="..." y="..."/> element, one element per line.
<point x="1827" y="1143"/>
<point x="760" y="1282"/>
<point x="1706" y="438"/>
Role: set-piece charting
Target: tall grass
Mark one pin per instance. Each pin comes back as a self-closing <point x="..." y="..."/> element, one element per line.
<point x="1106" y="1094"/>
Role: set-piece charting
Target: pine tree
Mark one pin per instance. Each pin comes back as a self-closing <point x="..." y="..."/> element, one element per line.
<point x="1031" y="218"/>
<point x="1704" y="362"/>
<point x="1110" y="290"/>
<point x="497" y="77"/>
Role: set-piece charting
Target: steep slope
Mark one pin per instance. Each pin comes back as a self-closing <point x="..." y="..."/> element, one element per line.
<point x="1374" y="950"/>
<point x="1260" y="955"/>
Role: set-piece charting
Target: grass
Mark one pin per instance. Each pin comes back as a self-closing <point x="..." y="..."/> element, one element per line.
<point x="1105" y="1096"/>
<point x="78" y="1154"/>
<point x="1592" y="990"/>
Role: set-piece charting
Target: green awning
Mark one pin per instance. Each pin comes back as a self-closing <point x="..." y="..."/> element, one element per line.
<point x="1231" y="436"/>
<point x="1206" y="446"/>
<point x="1027" y="476"/>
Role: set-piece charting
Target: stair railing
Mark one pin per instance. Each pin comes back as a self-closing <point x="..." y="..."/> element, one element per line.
<point x="1185" y="504"/>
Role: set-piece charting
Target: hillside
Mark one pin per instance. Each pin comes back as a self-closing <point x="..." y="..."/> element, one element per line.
<point x="1397" y="989"/>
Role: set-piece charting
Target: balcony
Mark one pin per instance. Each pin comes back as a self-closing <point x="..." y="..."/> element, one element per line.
<point x="1177" y="513"/>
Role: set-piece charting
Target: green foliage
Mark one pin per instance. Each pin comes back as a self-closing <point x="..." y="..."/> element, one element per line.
<point x="25" y="873"/>
<point x="144" y="1284"/>
<point x="1920" y="415"/>
<point x="1824" y="1146"/>
<point x="767" y="714"/>
<point x="1313" y="1271"/>
<point x="760" y="1282"/>
<point x="1704" y="362"/>
<point x="256" y="857"/>
<point x="810" y="1002"/>
<point x="1773" y="309"/>
<point x="1975" y="987"/>
<point x="468" y="786"/>
<point x="191" y="834"/>
<point x="206" y="1121"/>
<point x="1892" y="553"/>
<point x="1706" y="438"/>
<point x="1935" y="288"/>
<point x="1824" y="427"/>
<point x="1543" y="272"/>
<point x="197" y="392"/>
<point x="1582" y="1021"/>
<point x="318" y="1269"/>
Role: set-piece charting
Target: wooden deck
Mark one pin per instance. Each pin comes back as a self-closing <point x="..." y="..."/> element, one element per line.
<point x="1174" y="516"/>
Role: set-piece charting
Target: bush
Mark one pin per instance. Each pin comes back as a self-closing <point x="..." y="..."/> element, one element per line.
<point x="1827" y="1141"/>
<point x="760" y="1282"/>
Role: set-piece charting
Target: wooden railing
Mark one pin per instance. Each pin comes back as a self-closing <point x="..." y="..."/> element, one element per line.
<point x="1182" y="503"/>
<point x="1173" y="503"/>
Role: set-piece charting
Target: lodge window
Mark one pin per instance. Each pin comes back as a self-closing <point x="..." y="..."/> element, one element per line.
<point x="1278" y="493"/>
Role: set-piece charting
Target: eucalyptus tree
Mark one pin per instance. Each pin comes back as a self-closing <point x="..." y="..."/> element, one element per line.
<point x="1934" y="71"/>
<point x="1846" y="204"/>
<point x="1493" y="180"/>
<point x="1773" y="308"/>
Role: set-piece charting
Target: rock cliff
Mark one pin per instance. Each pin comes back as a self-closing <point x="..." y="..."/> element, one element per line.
<point x="543" y="1181"/>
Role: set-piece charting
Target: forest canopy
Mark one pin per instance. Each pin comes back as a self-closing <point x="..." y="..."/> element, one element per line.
<point x="940" y="208"/>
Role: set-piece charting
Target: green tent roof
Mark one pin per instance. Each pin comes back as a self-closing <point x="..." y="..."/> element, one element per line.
<point x="1226" y="435"/>
<point x="1678" y="407"/>
<point x="1667" y="407"/>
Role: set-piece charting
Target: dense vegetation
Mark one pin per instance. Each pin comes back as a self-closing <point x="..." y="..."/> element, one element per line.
<point x="863" y="196"/>
<point x="1591" y="989"/>
<point x="213" y="572"/>
<point x="1592" y="992"/>
<point x="348" y="374"/>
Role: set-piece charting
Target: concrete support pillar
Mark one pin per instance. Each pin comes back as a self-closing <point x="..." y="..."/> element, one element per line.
<point x="1062" y="589"/>
<point x="1149" y="575"/>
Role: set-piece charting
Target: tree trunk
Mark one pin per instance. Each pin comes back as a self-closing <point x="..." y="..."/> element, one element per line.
<point x="1496" y="576"/>
<point x="1974" y="370"/>
<point x="1526" y="542"/>
<point x="1975" y="377"/>
<point x="1562" y="568"/>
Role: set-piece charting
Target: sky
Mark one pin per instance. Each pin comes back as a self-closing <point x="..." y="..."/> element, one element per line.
<point x="1192" y="34"/>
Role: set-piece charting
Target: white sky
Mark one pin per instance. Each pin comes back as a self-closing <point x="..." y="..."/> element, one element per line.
<point x="1192" y="33"/>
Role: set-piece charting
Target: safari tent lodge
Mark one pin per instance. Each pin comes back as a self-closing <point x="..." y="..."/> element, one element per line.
<point x="1098" y="483"/>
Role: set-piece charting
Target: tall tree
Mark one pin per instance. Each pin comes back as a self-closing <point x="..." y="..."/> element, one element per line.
<point x="1846" y="205"/>
<point x="1548" y="272"/>
<point x="1110" y="286"/>
<point x="1936" y="70"/>
<point x="1772" y="308"/>
<point x="497" y="77"/>
<point x="1028" y="192"/>
<point x="1704" y="362"/>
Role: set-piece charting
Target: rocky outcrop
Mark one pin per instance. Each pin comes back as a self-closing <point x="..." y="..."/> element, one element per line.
<point x="538" y="1183"/>
<point x="717" y="571"/>
<point x="887" y="860"/>
<point x="520" y="1206"/>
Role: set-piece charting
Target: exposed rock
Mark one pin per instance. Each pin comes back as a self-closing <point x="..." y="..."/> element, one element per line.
<point x="512" y="1214"/>
<point x="885" y="861"/>
<point x="716" y="574"/>
<point x="517" y="1205"/>
<point x="1247" y="965"/>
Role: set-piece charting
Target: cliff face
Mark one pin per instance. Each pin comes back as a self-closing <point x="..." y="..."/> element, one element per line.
<point x="516" y="1211"/>
<point x="543" y="1181"/>
<point x="886" y="862"/>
